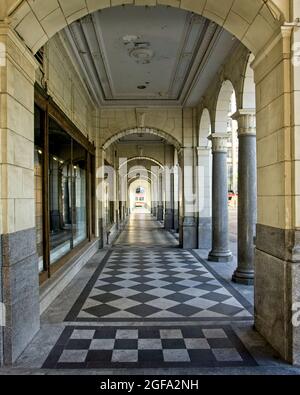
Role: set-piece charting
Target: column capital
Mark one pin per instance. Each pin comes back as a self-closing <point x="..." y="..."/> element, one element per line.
<point x="246" y="119"/>
<point x="219" y="142"/>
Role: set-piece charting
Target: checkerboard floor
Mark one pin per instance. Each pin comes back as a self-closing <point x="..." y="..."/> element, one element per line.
<point x="165" y="293"/>
<point x="147" y="347"/>
<point x="155" y="281"/>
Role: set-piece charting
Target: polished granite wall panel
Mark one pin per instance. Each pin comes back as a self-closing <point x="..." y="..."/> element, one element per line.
<point x="20" y="287"/>
<point x="1" y="301"/>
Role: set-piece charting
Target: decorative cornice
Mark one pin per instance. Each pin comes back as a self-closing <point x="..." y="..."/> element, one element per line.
<point x="11" y="36"/>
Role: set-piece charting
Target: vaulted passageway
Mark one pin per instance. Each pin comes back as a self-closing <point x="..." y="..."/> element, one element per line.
<point x="183" y="109"/>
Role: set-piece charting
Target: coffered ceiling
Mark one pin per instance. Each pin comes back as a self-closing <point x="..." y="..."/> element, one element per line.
<point x="146" y="55"/>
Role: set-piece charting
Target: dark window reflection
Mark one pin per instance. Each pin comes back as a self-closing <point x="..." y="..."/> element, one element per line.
<point x="60" y="184"/>
<point x="38" y="183"/>
<point x="79" y="193"/>
<point x="67" y="187"/>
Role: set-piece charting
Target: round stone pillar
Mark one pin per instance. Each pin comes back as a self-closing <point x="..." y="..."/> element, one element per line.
<point x="247" y="200"/>
<point x="220" y="233"/>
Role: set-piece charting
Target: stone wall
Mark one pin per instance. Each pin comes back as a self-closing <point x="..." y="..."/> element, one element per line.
<point x="65" y="86"/>
<point x="154" y="151"/>
<point x="113" y="121"/>
<point x="233" y="70"/>
<point x="19" y="266"/>
<point x="277" y="260"/>
<point x="253" y="22"/>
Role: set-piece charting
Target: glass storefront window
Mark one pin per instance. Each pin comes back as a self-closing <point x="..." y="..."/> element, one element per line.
<point x="64" y="196"/>
<point x="60" y="199"/>
<point x="79" y="193"/>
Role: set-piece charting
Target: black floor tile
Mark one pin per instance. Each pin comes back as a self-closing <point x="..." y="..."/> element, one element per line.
<point x="174" y="344"/>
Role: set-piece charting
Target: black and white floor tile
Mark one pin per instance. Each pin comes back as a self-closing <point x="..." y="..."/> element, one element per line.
<point x="150" y="304"/>
<point x="148" y="347"/>
<point x="156" y="283"/>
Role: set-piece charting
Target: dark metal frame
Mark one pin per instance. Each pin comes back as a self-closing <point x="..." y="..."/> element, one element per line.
<point x="50" y="110"/>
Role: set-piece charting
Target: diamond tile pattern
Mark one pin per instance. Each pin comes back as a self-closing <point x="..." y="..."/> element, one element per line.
<point x="155" y="283"/>
<point x="146" y="347"/>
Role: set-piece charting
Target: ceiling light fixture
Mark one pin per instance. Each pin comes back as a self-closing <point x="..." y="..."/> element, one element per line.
<point x="142" y="55"/>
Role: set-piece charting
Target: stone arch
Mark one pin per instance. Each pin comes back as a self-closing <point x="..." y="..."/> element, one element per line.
<point x="248" y="89"/>
<point x="137" y="169"/>
<point x="254" y="23"/>
<point x="204" y="128"/>
<point x="142" y="158"/>
<point x="127" y="132"/>
<point x="133" y="179"/>
<point x="225" y="95"/>
<point x="144" y="182"/>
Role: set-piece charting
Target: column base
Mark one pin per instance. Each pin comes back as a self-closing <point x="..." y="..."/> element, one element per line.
<point x="243" y="277"/>
<point x="101" y="234"/>
<point x="204" y="233"/>
<point x="276" y="291"/>
<point x="20" y="282"/>
<point x="189" y="234"/>
<point x="176" y="221"/>
<point x="224" y="256"/>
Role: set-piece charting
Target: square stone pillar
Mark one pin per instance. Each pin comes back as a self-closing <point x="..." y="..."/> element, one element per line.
<point x="188" y="224"/>
<point x="19" y="279"/>
<point x="160" y="204"/>
<point x="204" y="197"/>
<point x="100" y="196"/>
<point x="169" y="187"/>
<point x="277" y="257"/>
<point x="176" y="192"/>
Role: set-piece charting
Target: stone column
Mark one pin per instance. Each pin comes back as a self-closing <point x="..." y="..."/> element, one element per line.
<point x="204" y="197"/>
<point x="19" y="277"/>
<point x="220" y="233"/>
<point x="247" y="188"/>
<point x="176" y="191"/>
<point x="189" y="226"/>
<point x="169" y="212"/>
<point x="100" y="195"/>
<point x="169" y="187"/>
<point x="160" y="206"/>
<point x="154" y="185"/>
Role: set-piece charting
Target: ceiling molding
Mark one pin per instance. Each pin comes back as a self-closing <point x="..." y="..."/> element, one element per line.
<point x="84" y="40"/>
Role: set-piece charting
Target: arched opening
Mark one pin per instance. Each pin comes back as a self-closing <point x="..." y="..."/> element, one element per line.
<point x="256" y="17"/>
<point x="227" y="125"/>
<point x="142" y="131"/>
<point x="140" y="195"/>
<point x="140" y="159"/>
<point x="204" y="181"/>
<point x="144" y="154"/>
<point x="249" y="97"/>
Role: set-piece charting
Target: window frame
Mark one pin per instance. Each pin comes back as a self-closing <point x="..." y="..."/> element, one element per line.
<point x="49" y="109"/>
